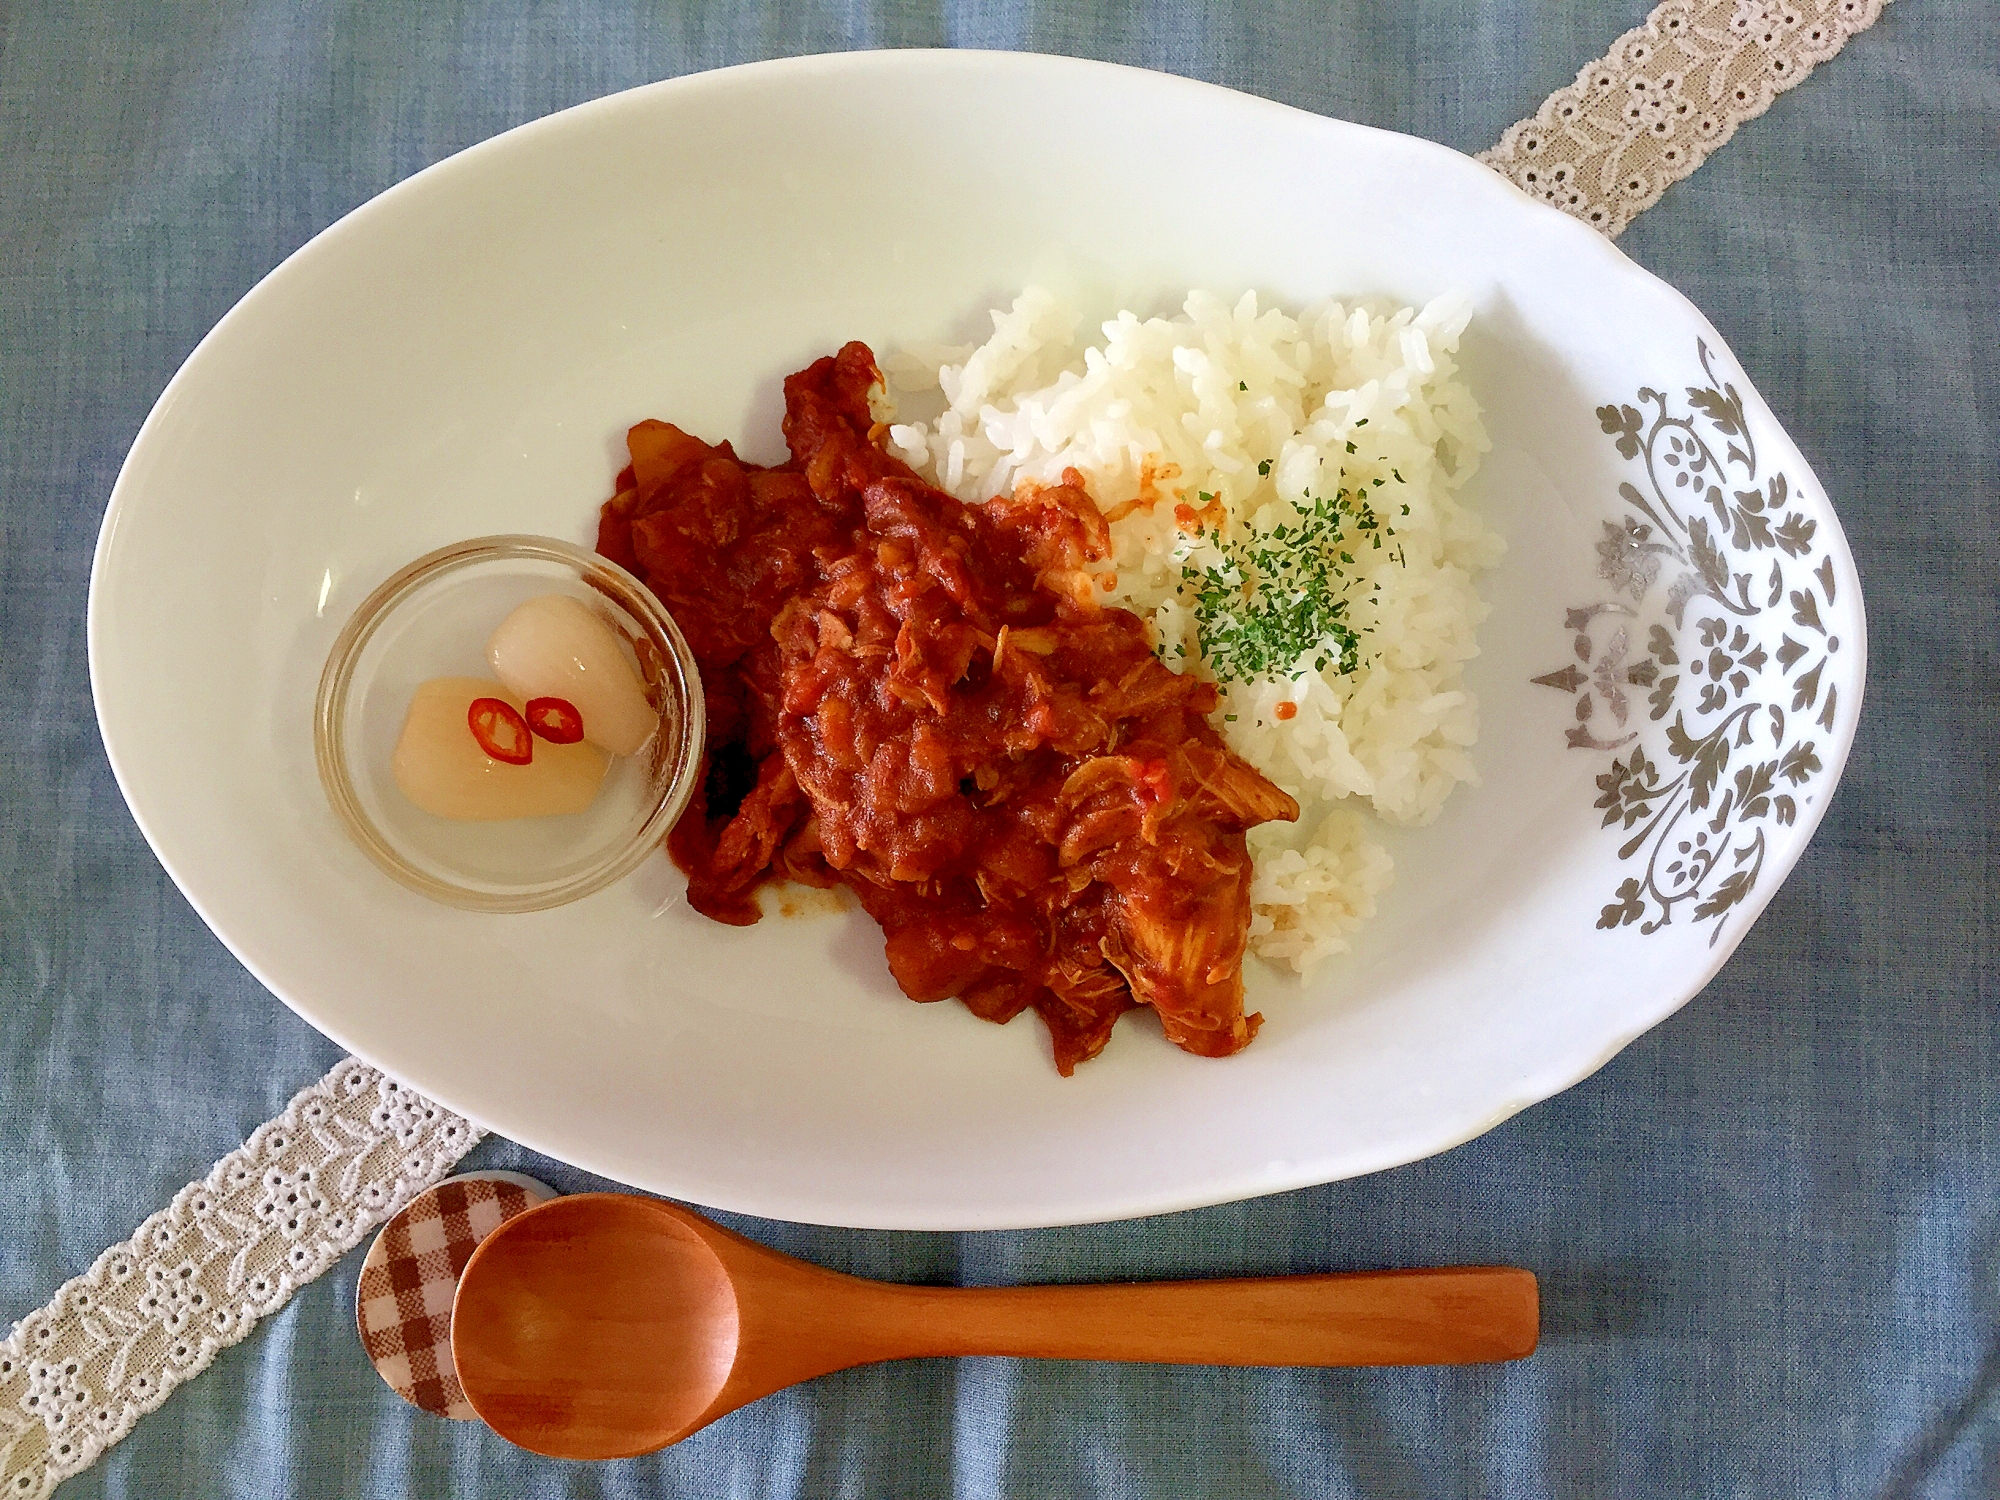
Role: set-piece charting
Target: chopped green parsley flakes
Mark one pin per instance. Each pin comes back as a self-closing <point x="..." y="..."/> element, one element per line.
<point x="1275" y="601"/>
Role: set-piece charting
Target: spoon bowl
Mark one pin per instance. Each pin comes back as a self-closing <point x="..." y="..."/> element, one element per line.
<point x="607" y="1325"/>
<point x="657" y="1336"/>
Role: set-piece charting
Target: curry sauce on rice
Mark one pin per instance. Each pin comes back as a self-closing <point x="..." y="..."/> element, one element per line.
<point x="1085" y="667"/>
<point x="1283" y="500"/>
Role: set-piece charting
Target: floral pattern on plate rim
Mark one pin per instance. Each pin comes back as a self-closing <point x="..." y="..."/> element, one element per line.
<point x="1718" y="550"/>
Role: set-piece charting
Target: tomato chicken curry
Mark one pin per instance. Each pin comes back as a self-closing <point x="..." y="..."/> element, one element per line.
<point x="924" y="701"/>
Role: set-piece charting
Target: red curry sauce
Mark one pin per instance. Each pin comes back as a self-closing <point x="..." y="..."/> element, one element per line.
<point x="922" y="700"/>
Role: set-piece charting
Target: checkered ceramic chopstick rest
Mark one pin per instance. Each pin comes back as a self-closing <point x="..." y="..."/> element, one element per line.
<point x="403" y="1306"/>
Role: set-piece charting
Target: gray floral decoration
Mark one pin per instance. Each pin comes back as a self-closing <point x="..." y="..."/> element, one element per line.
<point x="1700" y="573"/>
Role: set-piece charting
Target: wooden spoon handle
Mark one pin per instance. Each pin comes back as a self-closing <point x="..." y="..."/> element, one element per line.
<point x="1457" y="1315"/>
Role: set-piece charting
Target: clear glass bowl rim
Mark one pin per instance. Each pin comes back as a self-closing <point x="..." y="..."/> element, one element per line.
<point x="681" y="680"/>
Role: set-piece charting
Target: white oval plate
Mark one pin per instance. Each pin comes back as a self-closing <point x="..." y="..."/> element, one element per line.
<point x="462" y="356"/>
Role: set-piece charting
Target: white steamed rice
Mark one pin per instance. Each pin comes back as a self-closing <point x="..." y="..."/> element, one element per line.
<point x="1192" y="405"/>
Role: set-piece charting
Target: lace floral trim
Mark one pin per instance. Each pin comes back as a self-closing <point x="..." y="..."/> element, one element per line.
<point x="1651" y="110"/>
<point x="347" y="1153"/>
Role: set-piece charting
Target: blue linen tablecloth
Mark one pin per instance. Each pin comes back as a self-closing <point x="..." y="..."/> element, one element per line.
<point x="1768" y="1232"/>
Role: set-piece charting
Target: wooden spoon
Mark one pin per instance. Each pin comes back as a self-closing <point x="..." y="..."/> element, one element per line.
<point x="605" y="1325"/>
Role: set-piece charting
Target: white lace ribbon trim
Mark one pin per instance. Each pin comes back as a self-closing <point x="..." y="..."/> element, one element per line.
<point x="1650" y="111"/>
<point x="347" y="1153"/>
<point x="352" y="1149"/>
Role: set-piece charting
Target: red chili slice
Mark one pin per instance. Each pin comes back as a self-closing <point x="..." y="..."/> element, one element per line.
<point x="502" y="733"/>
<point x="556" y="720"/>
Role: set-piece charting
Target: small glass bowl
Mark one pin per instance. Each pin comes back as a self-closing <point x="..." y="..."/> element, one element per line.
<point x="433" y="619"/>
